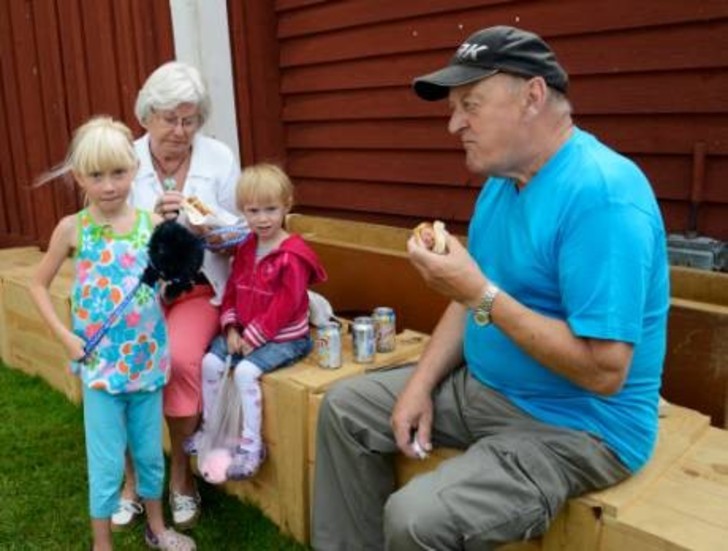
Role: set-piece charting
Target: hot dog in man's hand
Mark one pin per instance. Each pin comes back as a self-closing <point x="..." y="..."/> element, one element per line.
<point x="432" y="236"/>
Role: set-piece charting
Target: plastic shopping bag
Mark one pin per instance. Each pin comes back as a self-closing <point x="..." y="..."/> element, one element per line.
<point x="319" y="309"/>
<point x="222" y="430"/>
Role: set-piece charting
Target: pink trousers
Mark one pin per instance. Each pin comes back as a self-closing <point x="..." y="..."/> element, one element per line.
<point x="192" y="322"/>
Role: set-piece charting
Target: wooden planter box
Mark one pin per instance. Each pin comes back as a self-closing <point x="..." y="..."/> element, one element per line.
<point x="28" y="343"/>
<point x="9" y="260"/>
<point x="368" y="267"/>
<point x="677" y="502"/>
<point x="290" y="405"/>
<point x="696" y="365"/>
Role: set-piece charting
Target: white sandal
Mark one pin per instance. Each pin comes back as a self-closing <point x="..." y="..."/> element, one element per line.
<point x="169" y="539"/>
<point x="126" y="514"/>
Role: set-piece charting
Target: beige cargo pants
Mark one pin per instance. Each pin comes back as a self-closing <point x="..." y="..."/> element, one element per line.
<point x="513" y="478"/>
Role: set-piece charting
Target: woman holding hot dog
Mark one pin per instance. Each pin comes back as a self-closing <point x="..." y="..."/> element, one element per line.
<point x="178" y="162"/>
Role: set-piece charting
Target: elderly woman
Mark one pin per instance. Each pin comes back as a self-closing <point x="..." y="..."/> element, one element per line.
<point x="176" y="162"/>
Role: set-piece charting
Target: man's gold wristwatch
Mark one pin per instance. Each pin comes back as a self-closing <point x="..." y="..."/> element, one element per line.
<point x="481" y="313"/>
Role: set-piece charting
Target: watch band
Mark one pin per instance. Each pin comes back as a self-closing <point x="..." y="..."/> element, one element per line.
<point x="481" y="313"/>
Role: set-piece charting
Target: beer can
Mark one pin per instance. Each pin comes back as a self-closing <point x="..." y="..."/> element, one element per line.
<point x="364" y="339"/>
<point x="385" y="326"/>
<point x="328" y="346"/>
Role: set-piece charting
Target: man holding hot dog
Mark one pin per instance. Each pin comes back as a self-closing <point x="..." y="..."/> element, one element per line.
<point x="545" y="368"/>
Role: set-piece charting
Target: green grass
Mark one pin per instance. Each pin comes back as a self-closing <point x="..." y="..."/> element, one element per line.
<point x="43" y="486"/>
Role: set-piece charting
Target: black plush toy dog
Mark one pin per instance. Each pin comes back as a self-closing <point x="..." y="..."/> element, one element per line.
<point x="175" y="257"/>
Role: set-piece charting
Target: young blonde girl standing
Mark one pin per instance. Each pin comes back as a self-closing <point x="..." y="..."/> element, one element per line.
<point x="124" y="375"/>
<point x="264" y="313"/>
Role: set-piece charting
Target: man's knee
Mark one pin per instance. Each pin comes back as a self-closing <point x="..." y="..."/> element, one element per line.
<point x="412" y="521"/>
<point x="336" y="400"/>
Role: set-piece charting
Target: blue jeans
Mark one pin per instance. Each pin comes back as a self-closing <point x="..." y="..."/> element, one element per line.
<point x="268" y="357"/>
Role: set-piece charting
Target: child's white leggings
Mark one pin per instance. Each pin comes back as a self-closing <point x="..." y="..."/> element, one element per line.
<point x="247" y="381"/>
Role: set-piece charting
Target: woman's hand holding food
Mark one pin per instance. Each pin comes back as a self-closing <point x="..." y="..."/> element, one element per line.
<point x="169" y="204"/>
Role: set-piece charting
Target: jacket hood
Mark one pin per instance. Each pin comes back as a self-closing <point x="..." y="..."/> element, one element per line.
<point x="294" y="244"/>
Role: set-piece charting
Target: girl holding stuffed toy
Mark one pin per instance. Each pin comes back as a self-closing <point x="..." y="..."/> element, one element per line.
<point x="124" y="375"/>
<point x="264" y="313"/>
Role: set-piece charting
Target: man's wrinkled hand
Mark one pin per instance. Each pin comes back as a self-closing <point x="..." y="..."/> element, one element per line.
<point x="412" y="415"/>
<point x="454" y="275"/>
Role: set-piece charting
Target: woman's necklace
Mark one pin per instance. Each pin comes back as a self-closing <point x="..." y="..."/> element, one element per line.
<point x="169" y="180"/>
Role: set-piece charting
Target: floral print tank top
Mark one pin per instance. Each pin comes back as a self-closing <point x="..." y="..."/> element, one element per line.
<point x="133" y="355"/>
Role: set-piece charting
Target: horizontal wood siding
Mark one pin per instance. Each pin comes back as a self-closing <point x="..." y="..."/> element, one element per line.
<point x="649" y="78"/>
<point x="62" y="62"/>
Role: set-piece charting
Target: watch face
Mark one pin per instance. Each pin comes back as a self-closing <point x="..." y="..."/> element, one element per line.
<point x="481" y="317"/>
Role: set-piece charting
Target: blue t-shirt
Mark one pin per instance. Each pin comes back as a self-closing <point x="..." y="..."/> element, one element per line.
<point x="583" y="242"/>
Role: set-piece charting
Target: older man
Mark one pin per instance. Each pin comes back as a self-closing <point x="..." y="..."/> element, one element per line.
<point x="545" y="368"/>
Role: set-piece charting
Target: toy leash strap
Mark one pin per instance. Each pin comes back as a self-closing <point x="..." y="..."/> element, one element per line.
<point x="240" y="235"/>
<point x="94" y="341"/>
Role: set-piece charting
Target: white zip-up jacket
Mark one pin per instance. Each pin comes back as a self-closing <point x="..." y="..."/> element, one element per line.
<point x="212" y="177"/>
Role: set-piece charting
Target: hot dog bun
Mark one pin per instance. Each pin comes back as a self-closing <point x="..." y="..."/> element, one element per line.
<point x="432" y="236"/>
<point x="198" y="205"/>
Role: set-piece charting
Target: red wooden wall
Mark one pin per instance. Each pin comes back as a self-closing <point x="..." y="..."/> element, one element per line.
<point x="323" y="86"/>
<point x="650" y="78"/>
<point x="62" y="61"/>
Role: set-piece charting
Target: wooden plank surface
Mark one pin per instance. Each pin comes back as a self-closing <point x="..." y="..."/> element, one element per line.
<point x="410" y="48"/>
<point x="418" y="202"/>
<point x="563" y="25"/>
<point x="679" y="430"/>
<point x="310" y="376"/>
<point x="292" y="403"/>
<point x="632" y="134"/>
<point x="696" y="363"/>
<point x="699" y="285"/>
<point x="10" y="259"/>
<point x="29" y="344"/>
<point x="566" y="17"/>
<point x="686" y="508"/>
<point x="577" y="527"/>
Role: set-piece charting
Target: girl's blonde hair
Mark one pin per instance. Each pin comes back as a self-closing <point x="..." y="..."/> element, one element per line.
<point x="263" y="182"/>
<point x="100" y="145"/>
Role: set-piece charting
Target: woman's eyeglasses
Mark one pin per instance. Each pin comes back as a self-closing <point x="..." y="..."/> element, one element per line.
<point x="171" y="121"/>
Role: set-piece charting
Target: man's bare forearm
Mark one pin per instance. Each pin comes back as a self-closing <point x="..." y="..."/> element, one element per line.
<point x="444" y="351"/>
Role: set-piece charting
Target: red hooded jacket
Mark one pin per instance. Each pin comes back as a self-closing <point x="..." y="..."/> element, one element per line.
<point x="268" y="299"/>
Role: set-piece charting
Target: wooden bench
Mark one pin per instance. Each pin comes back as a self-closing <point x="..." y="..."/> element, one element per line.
<point x="368" y="266"/>
<point x="282" y="488"/>
<point x="27" y="342"/>
<point x="677" y="502"/>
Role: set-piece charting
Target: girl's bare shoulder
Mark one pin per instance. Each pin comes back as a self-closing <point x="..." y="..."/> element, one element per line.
<point x="67" y="230"/>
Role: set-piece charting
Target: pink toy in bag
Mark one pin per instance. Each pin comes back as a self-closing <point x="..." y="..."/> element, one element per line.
<point x="222" y="430"/>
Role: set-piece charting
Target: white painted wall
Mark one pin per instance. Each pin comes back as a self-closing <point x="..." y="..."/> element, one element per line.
<point x="201" y="38"/>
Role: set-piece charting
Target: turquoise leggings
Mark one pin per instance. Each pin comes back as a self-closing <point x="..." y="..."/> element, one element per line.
<point x="112" y="421"/>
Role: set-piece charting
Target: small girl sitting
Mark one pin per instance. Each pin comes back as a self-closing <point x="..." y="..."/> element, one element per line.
<point x="264" y="313"/>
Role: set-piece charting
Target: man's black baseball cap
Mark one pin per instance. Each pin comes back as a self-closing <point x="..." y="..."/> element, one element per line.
<point x="489" y="51"/>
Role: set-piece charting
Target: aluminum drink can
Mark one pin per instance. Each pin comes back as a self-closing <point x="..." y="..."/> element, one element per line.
<point x="385" y="328"/>
<point x="328" y="346"/>
<point x="363" y="339"/>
